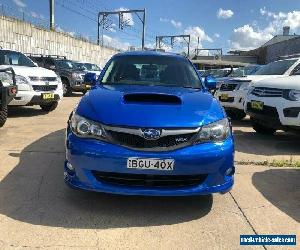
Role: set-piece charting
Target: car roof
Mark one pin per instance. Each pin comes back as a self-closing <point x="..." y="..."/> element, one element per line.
<point x="149" y="53"/>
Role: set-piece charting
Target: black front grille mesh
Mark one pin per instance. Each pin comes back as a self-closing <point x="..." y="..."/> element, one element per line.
<point x="228" y="86"/>
<point x="149" y="180"/>
<point x="135" y="141"/>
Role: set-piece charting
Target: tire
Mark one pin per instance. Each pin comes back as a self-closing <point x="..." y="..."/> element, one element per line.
<point x="236" y="115"/>
<point x="67" y="91"/>
<point x="49" y="106"/>
<point x="3" y="116"/>
<point x="261" y="129"/>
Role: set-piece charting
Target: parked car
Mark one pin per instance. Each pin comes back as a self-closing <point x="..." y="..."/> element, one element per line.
<point x="156" y="136"/>
<point x="240" y="72"/>
<point x="36" y="85"/>
<point x="71" y="75"/>
<point x="8" y="90"/>
<point x="88" y="67"/>
<point x="274" y="104"/>
<point x="232" y="93"/>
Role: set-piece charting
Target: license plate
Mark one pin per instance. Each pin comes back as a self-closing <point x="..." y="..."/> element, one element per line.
<point x="257" y="105"/>
<point x="150" y="163"/>
<point x="224" y="97"/>
<point x="47" y="96"/>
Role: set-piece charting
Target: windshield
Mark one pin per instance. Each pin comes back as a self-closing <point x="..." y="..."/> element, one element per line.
<point x="244" y="71"/>
<point x="275" y="68"/>
<point x="65" y="64"/>
<point x="151" y="70"/>
<point x="8" y="57"/>
<point x="91" y="67"/>
<point x="217" y="73"/>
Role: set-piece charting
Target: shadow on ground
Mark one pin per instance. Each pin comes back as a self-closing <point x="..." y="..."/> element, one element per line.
<point x="16" y="111"/>
<point x="281" y="143"/>
<point x="34" y="192"/>
<point x="281" y="187"/>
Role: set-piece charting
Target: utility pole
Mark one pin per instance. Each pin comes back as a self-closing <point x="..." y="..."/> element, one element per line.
<point x="105" y="24"/>
<point x="160" y="38"/>
<point x="52" y="24"/>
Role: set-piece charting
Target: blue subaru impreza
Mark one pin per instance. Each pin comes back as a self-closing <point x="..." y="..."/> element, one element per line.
<point x="149" y="126"/>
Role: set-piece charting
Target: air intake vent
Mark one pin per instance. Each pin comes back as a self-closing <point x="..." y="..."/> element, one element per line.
<point x="152" y="99"/>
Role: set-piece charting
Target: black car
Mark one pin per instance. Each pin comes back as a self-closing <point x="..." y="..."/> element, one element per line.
<point x="71" y="75"/>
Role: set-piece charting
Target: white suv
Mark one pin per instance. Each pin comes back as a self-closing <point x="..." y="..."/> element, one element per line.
<point x="232" y="93"/>
<point x="36" y="86"/>
<point x="275" y="104"/>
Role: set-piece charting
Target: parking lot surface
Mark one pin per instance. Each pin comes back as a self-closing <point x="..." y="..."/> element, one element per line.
<point x="37" y="210"/>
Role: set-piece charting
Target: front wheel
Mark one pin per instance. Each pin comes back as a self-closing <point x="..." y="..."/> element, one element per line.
<point x="67" y="91"/>
<point x="3" y="116"/>
<point x="261" y="129"/>
<point x="49" y="106"/>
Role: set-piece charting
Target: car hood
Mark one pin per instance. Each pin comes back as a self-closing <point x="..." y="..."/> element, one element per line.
<point x="288" y="82"/>
<point x="254" y="78"/>
<point x="123" y="106"/>
<point x="33" y="71"/>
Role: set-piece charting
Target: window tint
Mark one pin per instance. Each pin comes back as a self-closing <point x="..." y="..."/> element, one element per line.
<point x="275" y="68"/>
<point x="151" y="70"/>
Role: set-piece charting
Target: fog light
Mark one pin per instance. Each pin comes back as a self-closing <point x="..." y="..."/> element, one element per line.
<point x="69" y="166"/>
<point x="230" y="171"/>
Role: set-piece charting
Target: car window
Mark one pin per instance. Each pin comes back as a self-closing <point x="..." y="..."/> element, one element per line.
<point x="151" y="70"/>
<point x="275" y="68"/>
<point x="8" y="57"/>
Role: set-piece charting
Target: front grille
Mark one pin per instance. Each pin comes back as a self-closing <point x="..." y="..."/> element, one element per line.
<point x="267" y="111"/>
<point x="145" y="180"/>
<point x="267" y="92"/>
<point x="44" y="87"/>
<point x="138" y="142"/>
<point x="43" y="79"/>
<point x="228" y="86"/>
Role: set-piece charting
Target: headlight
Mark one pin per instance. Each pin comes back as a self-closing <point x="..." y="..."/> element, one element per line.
<point x="216" y="132"/>
<point x="86" y="128"/>
<point x="294" y="95"/>
<point x="76" y="76"/>
<point x="21" y="80"/>
<point x="243" y="86"/>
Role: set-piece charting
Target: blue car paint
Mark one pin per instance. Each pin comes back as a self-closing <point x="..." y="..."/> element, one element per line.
<point x="105" y="104"/>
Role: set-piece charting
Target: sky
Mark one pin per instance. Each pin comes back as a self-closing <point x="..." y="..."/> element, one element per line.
<point x="226" y="24"/>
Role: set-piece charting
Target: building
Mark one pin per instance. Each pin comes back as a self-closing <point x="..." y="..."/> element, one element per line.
<point x="278" y="46"/>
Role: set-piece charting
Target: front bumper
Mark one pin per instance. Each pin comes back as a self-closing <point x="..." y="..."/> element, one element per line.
<point x="278" y="112"/>
<point x="77" y="85"/>
<point x="235" y="99"/>
<point x="210" y="159"/>
<point x="31" y="97"/>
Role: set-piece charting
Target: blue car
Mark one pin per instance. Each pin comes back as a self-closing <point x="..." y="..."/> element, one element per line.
<point x="149" y="126"/>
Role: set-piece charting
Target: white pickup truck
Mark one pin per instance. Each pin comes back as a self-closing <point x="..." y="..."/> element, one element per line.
<point x="36" y="85"/>
<point x="232" y="93"/>
<point x="274" y="104"/>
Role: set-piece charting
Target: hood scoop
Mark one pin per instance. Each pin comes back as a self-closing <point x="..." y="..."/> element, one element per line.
<point x="149" y="98"/>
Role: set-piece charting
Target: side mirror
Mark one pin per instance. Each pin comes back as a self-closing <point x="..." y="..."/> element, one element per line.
<point x="52" y="67"/>
<point x="210" y="82"/>
<point x="90" y="79"/>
